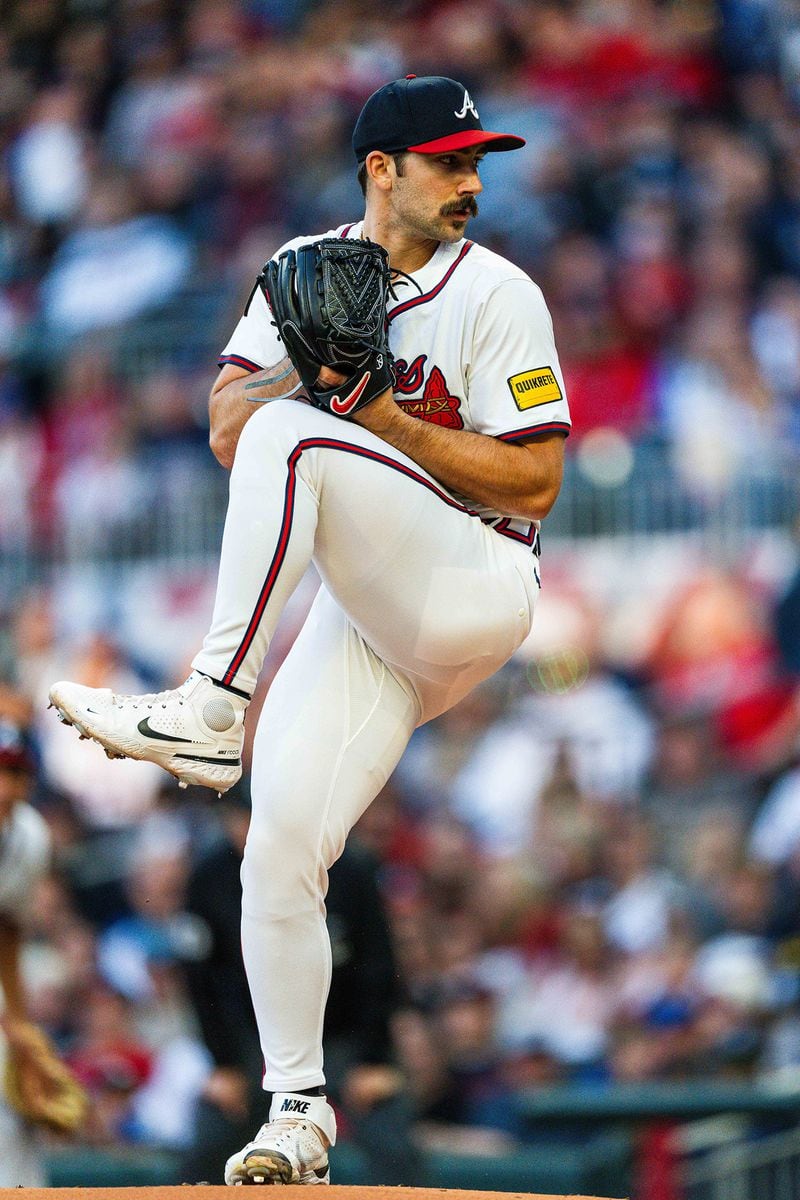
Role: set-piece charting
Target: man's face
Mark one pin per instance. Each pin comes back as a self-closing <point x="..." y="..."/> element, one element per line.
<point x="435" y="195"/>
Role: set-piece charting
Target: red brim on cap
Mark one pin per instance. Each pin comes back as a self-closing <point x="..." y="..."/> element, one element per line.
<point x="470" y="137"/>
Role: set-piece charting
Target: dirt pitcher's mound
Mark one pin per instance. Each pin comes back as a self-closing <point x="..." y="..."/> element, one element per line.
<point x="291" y="1192"/>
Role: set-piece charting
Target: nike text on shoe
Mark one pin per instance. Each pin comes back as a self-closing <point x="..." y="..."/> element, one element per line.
<point x="290" y="1148"/>
<point x="195" y="731"/>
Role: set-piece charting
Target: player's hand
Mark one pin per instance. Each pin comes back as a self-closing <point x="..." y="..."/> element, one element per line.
<point x="329" y="378"/>
<point x="378" y="415"/>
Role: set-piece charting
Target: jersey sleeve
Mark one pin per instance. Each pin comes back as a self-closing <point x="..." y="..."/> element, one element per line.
<point x="254" y="342"/>
<point x="516" y="389"/>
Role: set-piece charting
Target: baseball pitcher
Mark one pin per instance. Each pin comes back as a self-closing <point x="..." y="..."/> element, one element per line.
<point x="392" y="407"/>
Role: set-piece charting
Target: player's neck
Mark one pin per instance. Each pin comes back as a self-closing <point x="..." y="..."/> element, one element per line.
<point x="407" y="251"/>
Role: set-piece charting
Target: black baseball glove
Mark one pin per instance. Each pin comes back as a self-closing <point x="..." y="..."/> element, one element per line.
<point x="328" y="301"/>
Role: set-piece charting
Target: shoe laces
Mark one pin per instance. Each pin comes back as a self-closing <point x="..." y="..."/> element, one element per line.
<point x="282" y="1128"/>
<point x="147" y="700"/>
<point x="397" y="278"/>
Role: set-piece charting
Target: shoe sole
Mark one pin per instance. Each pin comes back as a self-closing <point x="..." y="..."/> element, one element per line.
<point x="272" y="1168"/>
<point x="218" y="777"/>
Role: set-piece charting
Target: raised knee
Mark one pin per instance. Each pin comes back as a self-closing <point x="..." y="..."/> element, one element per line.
<point x="274" y="432"/>
<point x="290" y="418"/>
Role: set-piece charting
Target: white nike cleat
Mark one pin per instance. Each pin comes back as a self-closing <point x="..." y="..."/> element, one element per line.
<point x="195" y="731"/>
<point x="289" y="1148"/>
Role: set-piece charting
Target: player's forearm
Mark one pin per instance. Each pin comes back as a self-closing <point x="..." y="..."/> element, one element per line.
<point x="519" y="481"/>
<point x="232" y="404"/>
<point x="10" y="978"/>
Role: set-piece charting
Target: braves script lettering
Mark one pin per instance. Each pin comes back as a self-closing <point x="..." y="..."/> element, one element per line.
<point x="408" y="377"/>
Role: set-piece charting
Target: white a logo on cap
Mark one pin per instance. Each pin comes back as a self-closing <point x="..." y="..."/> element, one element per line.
<point x="466" y="107"/>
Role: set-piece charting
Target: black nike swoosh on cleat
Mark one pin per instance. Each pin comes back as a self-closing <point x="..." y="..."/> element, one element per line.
<point x="144" y="728"/>
<point x="216" y="762"/>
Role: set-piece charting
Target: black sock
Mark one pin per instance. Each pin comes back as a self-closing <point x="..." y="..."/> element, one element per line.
<point x="226" y="686"/>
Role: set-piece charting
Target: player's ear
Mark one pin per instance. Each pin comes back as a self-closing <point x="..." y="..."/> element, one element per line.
<point x="378" y="169"/>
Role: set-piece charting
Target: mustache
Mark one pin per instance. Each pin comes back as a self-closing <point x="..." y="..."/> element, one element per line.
<point x="468" y="205"/>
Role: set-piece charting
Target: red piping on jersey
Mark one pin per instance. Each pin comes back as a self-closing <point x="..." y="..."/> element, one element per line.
<point x="238" y="361"/>
<point x="347" y="229"/>
<point x="517" y="435"/>
<point x="531" y="538"/>
<point x="431" y="295"/>
<point x="288" y="517"/>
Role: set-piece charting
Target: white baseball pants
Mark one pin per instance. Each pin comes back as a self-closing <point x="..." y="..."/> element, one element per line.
<point x="420" y="602"/>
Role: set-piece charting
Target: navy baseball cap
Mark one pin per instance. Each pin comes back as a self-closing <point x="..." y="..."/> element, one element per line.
<point x="428" y="114"/>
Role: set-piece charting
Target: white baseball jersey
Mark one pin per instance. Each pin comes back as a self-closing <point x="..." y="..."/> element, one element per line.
<point x="473" y="349"/>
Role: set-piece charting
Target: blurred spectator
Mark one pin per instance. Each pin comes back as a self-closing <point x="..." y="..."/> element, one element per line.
<point x="719" y="413"/>
<point x="645" y="899"/>
<point x="34" y="650"/>
<point x="692" y="782"/>
<point x="20" y="442"/>
<point x="464" y="1023"/>
<point x="136" y="949"/>
<point x="48" y="162"/>
<point x="565" y="1002"/>
<point x="610" y="382"/>
<point x="576" y="719"/>
<point x="107" y="795"/>
<point x="24" y="853"/>
<point x="111" y="1062"/>
<point x="113" y="268"/>
<point x="786" y="623"/>
<point x="775" y="836"/>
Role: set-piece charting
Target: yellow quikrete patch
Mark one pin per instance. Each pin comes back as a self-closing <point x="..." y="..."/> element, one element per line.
<point x="530" y="388"/>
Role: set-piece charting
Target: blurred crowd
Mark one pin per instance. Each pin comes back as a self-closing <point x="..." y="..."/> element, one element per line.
<point x="153" y="153"/>
<point x="590" y="872"/>
<point x="591" y="867"/>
